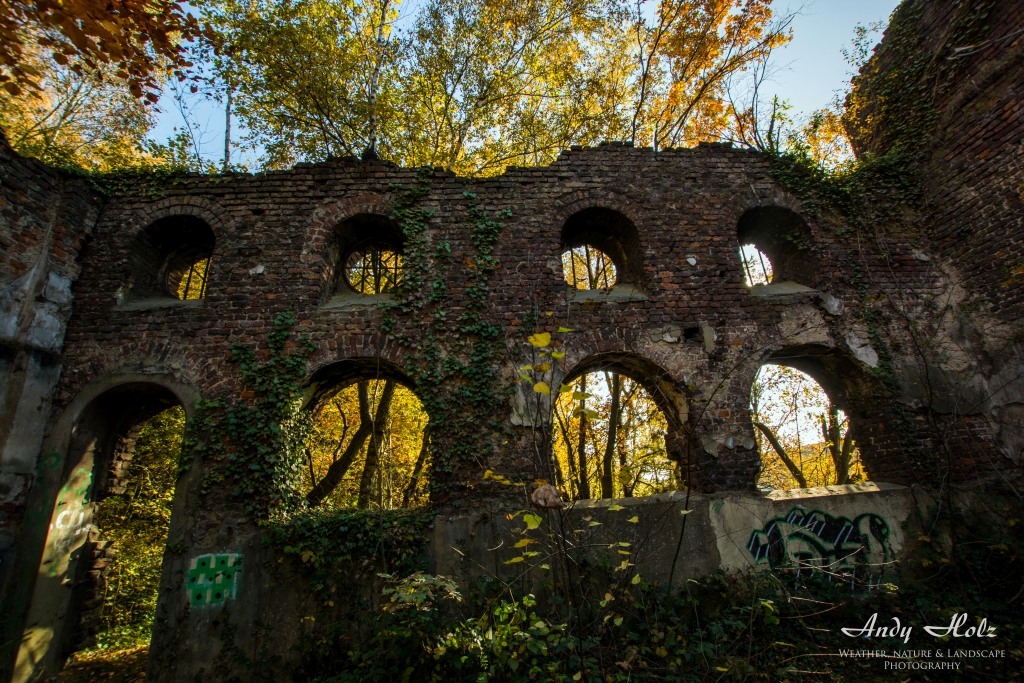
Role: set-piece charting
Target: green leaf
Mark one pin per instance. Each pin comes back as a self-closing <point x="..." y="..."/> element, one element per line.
<point x="633" y="520"/>
<point x="532" y="521"/>
<point x="615" y="508"/>
<point x="636" y="580"/>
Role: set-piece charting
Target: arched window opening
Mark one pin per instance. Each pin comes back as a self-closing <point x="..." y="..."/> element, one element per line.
<point x="775" y="247"/>
<point x="589" y="464"/>
<point x="600" y="250"/>
<point x="757" y="268"/>
<point x="803" y="437"/>
<point x="373" y="269"/>
<point x="170" y="259"/>
<point x="587" y="267"/>
<point x="369" y="448"/>
<point x="364" y="259"/>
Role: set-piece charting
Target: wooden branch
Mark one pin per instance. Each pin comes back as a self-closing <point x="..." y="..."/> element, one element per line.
<point x="793" y="469"/>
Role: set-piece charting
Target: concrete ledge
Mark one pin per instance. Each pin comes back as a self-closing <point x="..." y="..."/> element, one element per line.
<point x="617" y="294"/>
<point x="352" y="301"/>
<point x="150" y="304"/>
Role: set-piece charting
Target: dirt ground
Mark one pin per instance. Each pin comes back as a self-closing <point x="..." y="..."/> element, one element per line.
<point x="106" y="666"/>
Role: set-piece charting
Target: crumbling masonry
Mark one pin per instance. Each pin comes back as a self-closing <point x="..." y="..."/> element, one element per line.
<point x="911" y="325"/>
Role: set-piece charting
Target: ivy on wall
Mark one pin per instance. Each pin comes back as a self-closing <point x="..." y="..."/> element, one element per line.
<point x="254" y="444"/>
<point x="459" y="387"/>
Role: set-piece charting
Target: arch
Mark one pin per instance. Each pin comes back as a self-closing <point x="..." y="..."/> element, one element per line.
<point x="785" y="238"/>
<point x="612" y="233"/>
<point x="377" y="424"/>
<point x="171" y="253"/>
<point x="86" y="453"/>
<point x="361" y="235"/>
<point x="648" y="374"/>
<point x="849" y="388"/>
<point x="334" y="376"/>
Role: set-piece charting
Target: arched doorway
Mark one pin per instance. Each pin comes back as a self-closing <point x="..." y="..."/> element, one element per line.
<point x="93" y="447"/>
<point x="806" y="414"/>
<point x="617" y="428"/>
<point x="369" y="446"/>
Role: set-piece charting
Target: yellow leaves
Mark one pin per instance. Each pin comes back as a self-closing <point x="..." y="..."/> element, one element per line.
<point x="524" y="542"/>
<point x="541" y="388"/>
<point x="540" y="339"/>
<point x="557" y="354"/>
<point x="514" y="560"/>
<point x="685" y="512"/>
<point x="633" y="520"/>
<point x="532" y="521"/>
<point x="307" y="555"/>
<point x="636" y="579"/>
<point x="615" y="508"/>
<point x="542" y="367"/>
<point x="563" y="330"/>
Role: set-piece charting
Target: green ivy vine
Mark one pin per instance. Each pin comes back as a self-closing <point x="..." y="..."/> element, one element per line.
<point x="459" y="388"/>
<point x="255" y="444"/>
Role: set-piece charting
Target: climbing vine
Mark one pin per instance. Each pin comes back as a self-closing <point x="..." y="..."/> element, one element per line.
<point x="459" y="388"/>
<point x="254" y="444"/>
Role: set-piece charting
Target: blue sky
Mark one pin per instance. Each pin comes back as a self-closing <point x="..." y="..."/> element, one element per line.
<point x="810" y="70"/>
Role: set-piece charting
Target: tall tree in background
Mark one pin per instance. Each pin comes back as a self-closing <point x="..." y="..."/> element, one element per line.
<point x="684" y="58"/>
<point x="75" y="117"/>
<point x="311" y="78"/>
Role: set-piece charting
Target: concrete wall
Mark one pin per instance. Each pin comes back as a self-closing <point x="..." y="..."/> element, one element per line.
<point x="860" y="531"/>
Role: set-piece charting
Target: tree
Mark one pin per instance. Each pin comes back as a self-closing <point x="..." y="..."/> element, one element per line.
<point x="789" y="408"/>
<point x="477" y="85"/>
<point x="312" y="78"/>
<point x="138" y="38"/>
<point x="76" y="117"/>
<point x="368" y="448"/>
<point x="684" y="58"/>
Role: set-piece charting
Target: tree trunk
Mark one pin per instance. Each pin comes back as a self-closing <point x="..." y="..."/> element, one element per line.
<point x="793" y="469"/>
<point x="582" y="452"/>
<point x="420" y="460"/>
<point x="607" y="488"/>
<point x="840" y="452"/>
<point x="373" y="450"/>
<point x="339" y="467"/>
<point x="570" y="454"/>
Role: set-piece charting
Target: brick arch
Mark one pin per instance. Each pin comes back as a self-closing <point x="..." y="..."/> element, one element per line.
<point x="603" y="228"/>
<point x="208" y="210"/>
<point x="574" y="202"/>
<point x="86" y="453"/>
<point x="850" y="386"/>
<point x="363" y="350"/>
<point x="158" y="358"/>
<point x="155" y="252"/>
<point x="328" y="215"/>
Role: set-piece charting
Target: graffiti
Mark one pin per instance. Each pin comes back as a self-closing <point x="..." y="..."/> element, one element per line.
<point x="812" y="542"/>
<point x="71" y="525"/>
<point x="213" y="579"/>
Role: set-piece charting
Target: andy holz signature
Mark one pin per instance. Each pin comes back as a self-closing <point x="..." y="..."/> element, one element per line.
<point x="982" y="630"/>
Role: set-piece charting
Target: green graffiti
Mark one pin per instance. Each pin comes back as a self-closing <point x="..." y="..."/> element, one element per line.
<point x="213" y="579"/>
<point x="812" y="542"/>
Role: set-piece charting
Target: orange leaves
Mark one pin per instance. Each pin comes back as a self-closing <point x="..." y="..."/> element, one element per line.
<point x="136" y="35"/>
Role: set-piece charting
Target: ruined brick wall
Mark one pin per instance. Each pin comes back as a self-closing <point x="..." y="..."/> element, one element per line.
<point x="971" y="166"/>
<point x="45" y="217"/>
<point x="272" y="233"/>
<point x="911" y="328"/>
